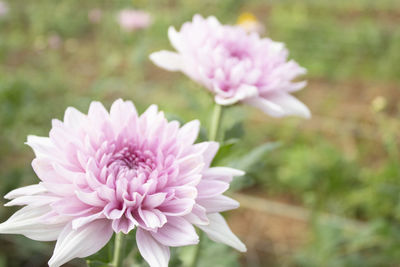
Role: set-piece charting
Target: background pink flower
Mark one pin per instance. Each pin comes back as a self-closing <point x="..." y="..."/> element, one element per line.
<point x="235" y="66"/>
<point x="54" y="41"/>
<point x="3" y="8"/>
<point x="95" y="15"/>
<point x="116" y="171"/>
<point x="130" y="19"/>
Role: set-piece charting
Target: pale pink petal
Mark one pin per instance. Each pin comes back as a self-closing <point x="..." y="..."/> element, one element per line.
<point x="46" y="172"/>
<point x="156" y="254"/>
<point x="80" y="243"/>
<point x="224" y="174"/>
<point x="210" y="153"/>
<point x="290" y="105"/>
<point x="267" y="106"/>
<point x="244" y="92"/>
<point x="153" y="218"/>
<point x="36" y="200"/>
<point x="218" y="203"/>
<point x="211" y="188"/>
<point x="188" y="132"/>
<point x="29" y="221"/>
<point x="119" y="114"/>
<point x="74" y="119"/>
<point x="91" y="198"/>
<point x="198" y="215"/>
<point x="79" y="222"/>
<point x="153" y="201"/>
<point x="297" y="86"/>
<point x="175" y="38"/>
<point x="177" y="232"/>
<point x="177" y="207"/>
<point x="42" y="146"/>
<point x="219" y="231"/>
<point x="168" y="60"/>
<point x="26" y="191"/>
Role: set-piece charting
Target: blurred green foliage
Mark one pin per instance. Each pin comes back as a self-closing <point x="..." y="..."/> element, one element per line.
<point x="52" y="56"/>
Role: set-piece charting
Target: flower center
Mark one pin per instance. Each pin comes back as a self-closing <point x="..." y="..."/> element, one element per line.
<point x="238" y="54"/>
<point x="133" y="161"/>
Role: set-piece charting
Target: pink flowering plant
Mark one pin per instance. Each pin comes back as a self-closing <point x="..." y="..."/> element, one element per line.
<point x="235" y="66"/>
<point x="131" y="19"/>
<point x="117" y="172"/>
<point x="112" y="174"/>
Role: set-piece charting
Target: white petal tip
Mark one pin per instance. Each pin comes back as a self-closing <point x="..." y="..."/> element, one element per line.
<point x="168" y="60"/>
<point x="239" y="173"/>
<point x="244" y="249"/>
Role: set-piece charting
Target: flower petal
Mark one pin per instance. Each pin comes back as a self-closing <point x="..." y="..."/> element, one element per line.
<point x="175" y="38"/>
<point x="26" y="191"/>
<point x="177" y="207"/>
<point x="197" y="216"/>
<point x="156" y="254"/>
<point x="290" y="105"/>
<point x="42" y="146"/>
<point x="210" y="153"/>
<point x="218" y="203"/>
<point x="243" y="92"/>
<point x="224" y="174"/>
<point x="219" y="231"/>
<point x="266" y="106"/>
<point x="29" y="221"/>
<point x="211" y="188"/>
<point x="188" y="132"/>
<point x="167" y="60"/>
<point x="80" y="243"/>
<point x="38" y="200"/>
<point x="176" y="232"/>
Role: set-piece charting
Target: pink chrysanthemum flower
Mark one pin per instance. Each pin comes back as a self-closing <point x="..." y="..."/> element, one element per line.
<point x="131" y="19"/>
<point x="235" y="66"/>
<point x="114" y="172"/>
<point x="3" y="8"/>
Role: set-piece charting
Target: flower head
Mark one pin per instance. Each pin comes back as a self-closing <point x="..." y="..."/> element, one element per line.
<point x="235" y="66"/>
<point x="116" y="171"/>
<point x="130" y="19"/>
<point x="3" y="8"/>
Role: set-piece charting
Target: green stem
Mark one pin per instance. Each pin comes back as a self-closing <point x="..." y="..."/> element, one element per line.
<point x="196" y="256"/>
<point x="118" y="250"/>
<point x="216" y="118"/>
<point x="215" y="122"/>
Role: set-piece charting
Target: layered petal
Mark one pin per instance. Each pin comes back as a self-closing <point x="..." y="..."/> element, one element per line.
<point x="31" y="222"/>
<point x="167" y="60"/>
<point x="156" y="254"/>
<point x="290" y="105"/>
<point x="177" y="232"/>
<point x="219" y="231"/>
<point x="80" y="243"/>
<point x="218" y="203"/>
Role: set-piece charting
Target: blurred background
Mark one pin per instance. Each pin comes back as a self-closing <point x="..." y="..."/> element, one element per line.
<point x="318" y="192"/>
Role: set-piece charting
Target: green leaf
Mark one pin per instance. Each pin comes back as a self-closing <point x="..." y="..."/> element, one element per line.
<point x="235" y="132"/>
<point x="212" y="254"/>
<point x="94" y="263"/>
<point x="103" y="255"/>
<point x="247" y="161"/>
<point x="224" y="151"/>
